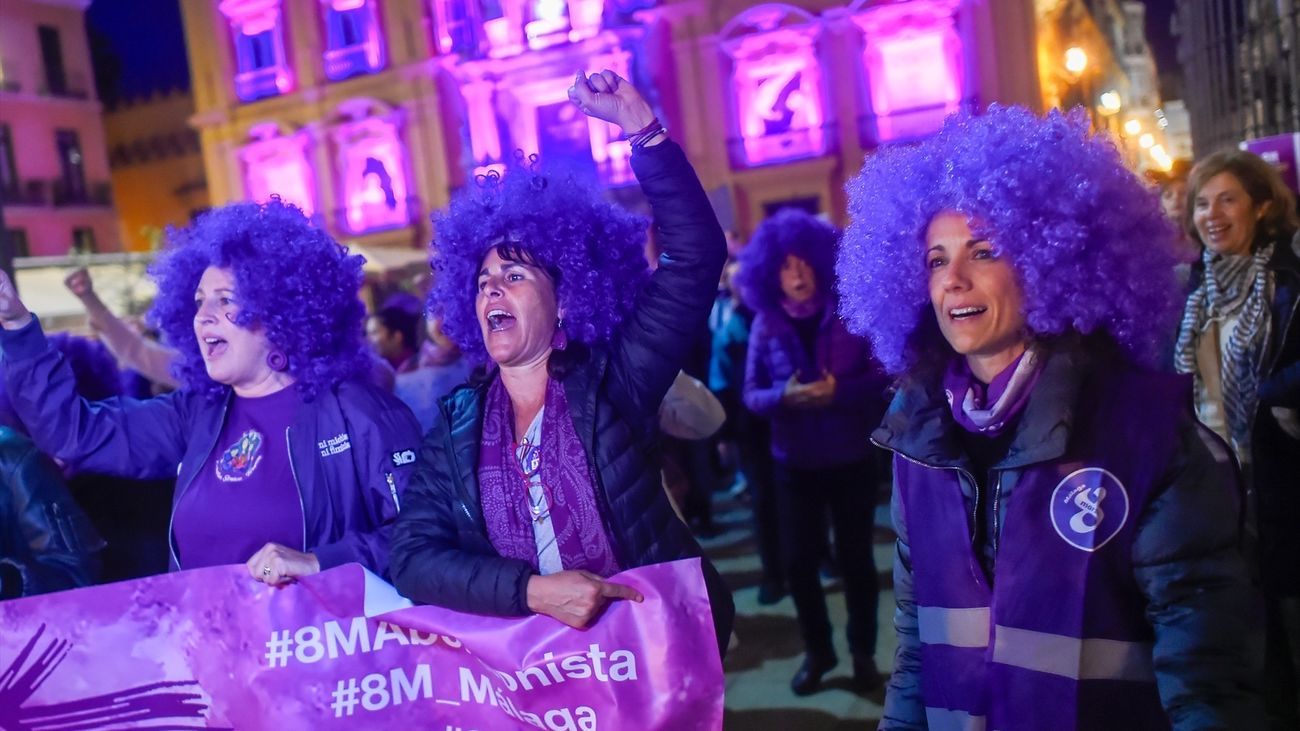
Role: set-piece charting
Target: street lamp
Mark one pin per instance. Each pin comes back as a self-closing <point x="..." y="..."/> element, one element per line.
<point x="1146" y="140"/>
<point x="1076" y="60"/>
<point x="1110" y="102"/>
<point x="1132" y="127"/>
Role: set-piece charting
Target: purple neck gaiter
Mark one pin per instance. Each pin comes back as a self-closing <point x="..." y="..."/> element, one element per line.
<point x="986" y="410"/>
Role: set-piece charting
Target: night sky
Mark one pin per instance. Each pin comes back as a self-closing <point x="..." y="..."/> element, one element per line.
<point x="140" y="49"/>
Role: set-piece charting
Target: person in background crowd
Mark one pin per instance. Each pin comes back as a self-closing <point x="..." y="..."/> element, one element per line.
<point x="1069" y="544"/>
<point x="131" y="515"/>
<point x="394" y="333"/>
<point x="288" y="461"/>
<point x="441" y="370"/>
<point x="749" y="434"/>
<point x="1240" y="339"/>
<point x="822" y="391"/>
<point x="1173" y="201"/>
<point x="540" y="481"/>
<point x="131" y="348"/>
<point x="46" y="542"/>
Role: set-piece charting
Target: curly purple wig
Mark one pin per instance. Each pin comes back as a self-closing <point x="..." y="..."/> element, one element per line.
<point x="593" y="249"/>
<point x="787" y="232"/>
<point x="1087" y="240"/>
<point x="293" y="280"/>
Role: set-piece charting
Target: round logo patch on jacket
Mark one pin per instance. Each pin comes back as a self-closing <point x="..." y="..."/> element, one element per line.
<point x="1088" y="508"/>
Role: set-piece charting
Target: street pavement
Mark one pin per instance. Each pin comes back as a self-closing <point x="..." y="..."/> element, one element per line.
<point x="759" y="669"/>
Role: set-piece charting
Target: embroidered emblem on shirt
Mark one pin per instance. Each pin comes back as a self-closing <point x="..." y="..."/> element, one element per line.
<point x="404" y="457"/>
<point x="334" y="445"/>
<point x="241" y="458"/>
<point x="1088" y="508"/>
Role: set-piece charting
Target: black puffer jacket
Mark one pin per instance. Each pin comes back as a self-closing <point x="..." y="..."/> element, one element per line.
<point x="46" y="542"/>
<point x="441" y="553"/>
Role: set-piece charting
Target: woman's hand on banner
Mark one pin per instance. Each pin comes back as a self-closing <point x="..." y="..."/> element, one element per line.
<point x="575" y="597"/>
<point x="277" y="565"/>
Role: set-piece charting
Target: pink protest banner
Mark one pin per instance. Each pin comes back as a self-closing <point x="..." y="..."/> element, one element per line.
<point x="212" y="649"/>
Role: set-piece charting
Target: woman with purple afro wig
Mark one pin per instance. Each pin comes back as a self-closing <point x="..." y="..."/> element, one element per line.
<point x="289" y="462"/>
<point x="822" y="392"/>
<point x="1066" y="528"/>
<point x="535" y="483"/>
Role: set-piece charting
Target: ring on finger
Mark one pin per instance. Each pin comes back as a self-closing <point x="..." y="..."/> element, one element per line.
<point x="266" y="570"/>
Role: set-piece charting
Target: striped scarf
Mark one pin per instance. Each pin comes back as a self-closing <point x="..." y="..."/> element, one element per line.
<point x="1240" y="286"/>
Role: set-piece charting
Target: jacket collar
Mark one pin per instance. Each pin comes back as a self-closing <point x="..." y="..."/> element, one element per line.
<point x="920" y="427"/>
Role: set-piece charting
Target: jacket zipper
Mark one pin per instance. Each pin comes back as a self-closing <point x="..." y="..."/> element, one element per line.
<point x="392" y="489"/>
<point x="180" y="489"/>
<point x="455" y="470"/>
<point x="293" y="472"/>
<point x="958" y="470"/>
<point x="997" y="499"/>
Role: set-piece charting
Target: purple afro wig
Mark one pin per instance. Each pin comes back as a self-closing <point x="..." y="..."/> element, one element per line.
<point x="1087" y="240"/>
<point x="593" y="249"/>
<point x="293" y="281"/>
<point x="787" y="232"/>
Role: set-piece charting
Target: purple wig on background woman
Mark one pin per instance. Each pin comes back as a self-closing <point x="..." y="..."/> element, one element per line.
<point x="281" y="261"/>
<point x="1086" y="238"/>
<point x="788" y="232"/>
<point x="592" y="248"/>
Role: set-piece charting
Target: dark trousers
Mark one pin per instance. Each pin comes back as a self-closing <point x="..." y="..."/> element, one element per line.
<point x="1282" y="662"/>
<point x="804" y="497"/>
<point x="756" y="464"/>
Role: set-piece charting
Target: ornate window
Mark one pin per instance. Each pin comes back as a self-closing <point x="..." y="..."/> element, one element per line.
<point x="371" y="167"/>
<point x="276" y="164"/>
<point x="503" y="28"/>
<point x="912" y="56"/>
<point x="257" y="32"/>
<point x="354" y="42"/>
<point x="778" y="106"/>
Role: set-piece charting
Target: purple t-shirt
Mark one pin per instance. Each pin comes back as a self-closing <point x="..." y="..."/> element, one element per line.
<point x="245" y="496"/>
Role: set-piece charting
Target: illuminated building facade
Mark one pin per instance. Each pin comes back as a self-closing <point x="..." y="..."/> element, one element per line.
<point x="54" y="177"/>
<point x="369" y="113"/>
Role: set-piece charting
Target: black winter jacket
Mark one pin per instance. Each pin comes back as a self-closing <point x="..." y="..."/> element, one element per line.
<point x="441" y="553"/>
<point x="46" y="542"/>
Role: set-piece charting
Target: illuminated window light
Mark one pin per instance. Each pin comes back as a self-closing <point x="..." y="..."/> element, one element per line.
<point x="276" y="165"/>
<point x="776" y="85"/>
<point x="353" y="39"/>
<point x="257" y="32"/>
<point x="913" y="59"/>
<point x="371" y="175"/>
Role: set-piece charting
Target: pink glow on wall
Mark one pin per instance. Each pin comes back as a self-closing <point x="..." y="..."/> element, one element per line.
<point x="277" y="165"/>
<point x="353" y="38"/>
<point x="913" y="59"/>
<point x="372" y="175"/>
<point x="257" y="34"/>
<point x="777" y="98"/>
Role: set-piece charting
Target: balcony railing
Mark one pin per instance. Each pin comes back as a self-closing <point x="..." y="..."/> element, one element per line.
<point x="57" y="193"/>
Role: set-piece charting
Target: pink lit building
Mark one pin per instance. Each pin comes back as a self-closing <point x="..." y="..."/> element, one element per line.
<point x="369" y="113"/>
<point x="54" y="178"/>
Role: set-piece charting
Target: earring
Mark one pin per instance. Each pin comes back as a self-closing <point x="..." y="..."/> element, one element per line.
<point x="559" y="340"/>
<point x="276" y="360"/>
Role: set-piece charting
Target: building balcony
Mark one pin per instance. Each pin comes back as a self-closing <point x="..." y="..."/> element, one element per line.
<point x="262" y="83"/>
<point x="58" y="193"/>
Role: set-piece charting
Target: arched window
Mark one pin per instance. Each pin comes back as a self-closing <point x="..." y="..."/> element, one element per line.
<point x="778" y="103"/>
<point x="257" y="34"/>
<point x="276" y="164"/>
<point x="912" y="56"/>
<point x="371" y="166"/>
